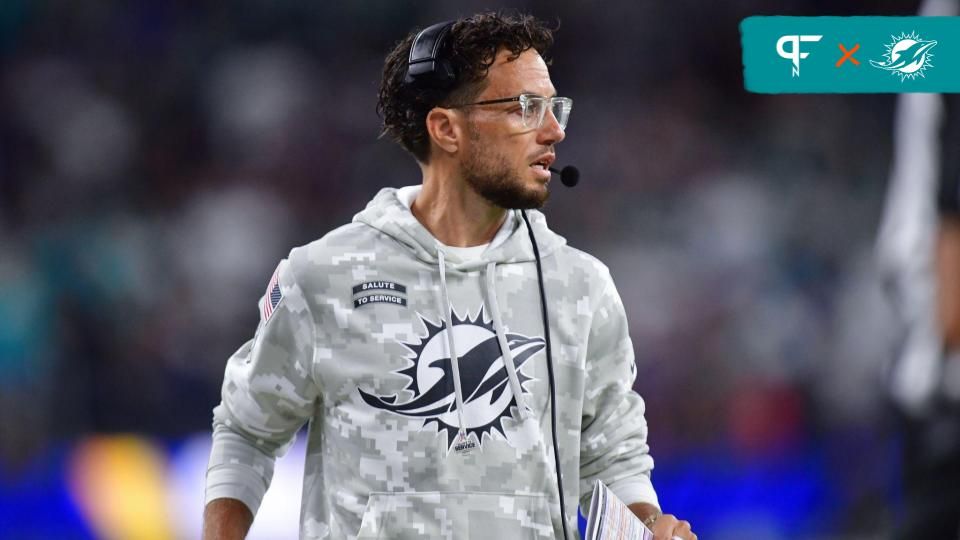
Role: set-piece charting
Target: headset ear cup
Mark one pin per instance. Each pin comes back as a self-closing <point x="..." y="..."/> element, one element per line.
<point x="426" y="67"/>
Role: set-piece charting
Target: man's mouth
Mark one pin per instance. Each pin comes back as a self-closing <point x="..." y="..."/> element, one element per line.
<point x="544" y="162"/>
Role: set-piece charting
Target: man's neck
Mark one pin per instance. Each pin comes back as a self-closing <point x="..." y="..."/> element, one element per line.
<point x="454" y="213"/>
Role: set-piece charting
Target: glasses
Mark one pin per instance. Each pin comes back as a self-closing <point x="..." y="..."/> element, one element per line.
<point x="533" y="108"/>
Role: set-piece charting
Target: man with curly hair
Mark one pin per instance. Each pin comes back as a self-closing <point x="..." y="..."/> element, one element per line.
<point x="464" y="372"/>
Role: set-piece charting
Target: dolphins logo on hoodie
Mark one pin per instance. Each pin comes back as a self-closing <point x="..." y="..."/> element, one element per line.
<point x="907" y="56"/>
<point x="487" y="397"/>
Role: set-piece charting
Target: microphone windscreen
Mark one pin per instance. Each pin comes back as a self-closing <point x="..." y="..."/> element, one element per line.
<point x="569" y="176"/>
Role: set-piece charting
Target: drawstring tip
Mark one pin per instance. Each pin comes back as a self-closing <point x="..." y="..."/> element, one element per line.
<point x="523" y="413"/>
<point x="463" y="445"/>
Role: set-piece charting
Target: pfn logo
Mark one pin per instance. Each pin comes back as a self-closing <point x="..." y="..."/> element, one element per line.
<point x="794" y="54"/>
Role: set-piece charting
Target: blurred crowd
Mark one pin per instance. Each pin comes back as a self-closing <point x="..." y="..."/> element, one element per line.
<point x="158" y="158"/>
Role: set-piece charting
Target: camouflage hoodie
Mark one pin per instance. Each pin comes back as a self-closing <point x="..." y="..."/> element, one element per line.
<point x="423" y="379"/>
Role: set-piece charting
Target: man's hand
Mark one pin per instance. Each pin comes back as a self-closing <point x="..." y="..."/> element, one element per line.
<point x="226" y="519"/>
<point x="666" y="526"/>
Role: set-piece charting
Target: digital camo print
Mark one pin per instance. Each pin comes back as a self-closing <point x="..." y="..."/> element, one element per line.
<point x="372" y="379"/>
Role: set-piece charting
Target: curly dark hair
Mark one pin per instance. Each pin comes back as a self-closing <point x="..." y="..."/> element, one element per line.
<point x="471" y="48"/>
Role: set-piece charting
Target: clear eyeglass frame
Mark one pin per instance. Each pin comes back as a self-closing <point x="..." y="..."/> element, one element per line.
<point x="534" y="108"/>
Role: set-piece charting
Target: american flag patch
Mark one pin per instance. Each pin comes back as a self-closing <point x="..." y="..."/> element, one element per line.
<point x="273" y="295"/>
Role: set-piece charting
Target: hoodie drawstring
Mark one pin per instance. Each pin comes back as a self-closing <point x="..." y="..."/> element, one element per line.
<point x="506" y="353"/>
<point x="454" y="359"/>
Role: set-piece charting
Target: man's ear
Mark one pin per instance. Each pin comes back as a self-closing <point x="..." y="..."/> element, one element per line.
<point x="443" y="126"/>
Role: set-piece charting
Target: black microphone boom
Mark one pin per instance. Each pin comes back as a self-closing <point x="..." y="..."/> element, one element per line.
<point x="569" y="175"/>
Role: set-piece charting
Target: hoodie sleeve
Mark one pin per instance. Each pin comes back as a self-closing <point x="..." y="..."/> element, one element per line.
<point x="268" y="393"/>
<point x="613" y="442"/>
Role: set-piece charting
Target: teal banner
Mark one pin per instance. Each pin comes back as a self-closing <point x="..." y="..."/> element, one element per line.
<point x="851" y="54"/>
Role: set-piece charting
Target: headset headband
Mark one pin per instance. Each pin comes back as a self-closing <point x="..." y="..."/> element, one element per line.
<point x="425" y="66"/>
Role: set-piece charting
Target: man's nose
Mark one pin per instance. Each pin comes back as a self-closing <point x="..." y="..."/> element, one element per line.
<point x="550" y="131"/>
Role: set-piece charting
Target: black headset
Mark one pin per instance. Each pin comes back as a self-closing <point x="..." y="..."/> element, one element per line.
<point x="426" y="66"/>
<point x="428" y="69"/>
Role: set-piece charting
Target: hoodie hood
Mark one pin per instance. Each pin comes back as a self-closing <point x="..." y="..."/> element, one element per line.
<point x="388" y="214"/>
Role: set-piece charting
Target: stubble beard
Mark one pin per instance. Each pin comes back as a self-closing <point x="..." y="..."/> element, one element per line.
<point x="492" y="178"/>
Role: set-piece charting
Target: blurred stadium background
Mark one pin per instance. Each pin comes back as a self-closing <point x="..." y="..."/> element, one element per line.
<point x="158" y="158"/>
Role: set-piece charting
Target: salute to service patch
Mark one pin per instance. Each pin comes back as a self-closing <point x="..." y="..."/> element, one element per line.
<point x="386" y="292"/>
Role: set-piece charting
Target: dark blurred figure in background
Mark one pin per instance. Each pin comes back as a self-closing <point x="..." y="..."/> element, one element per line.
<point x="947" y="474"/>
<point x="920" y="250"/>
